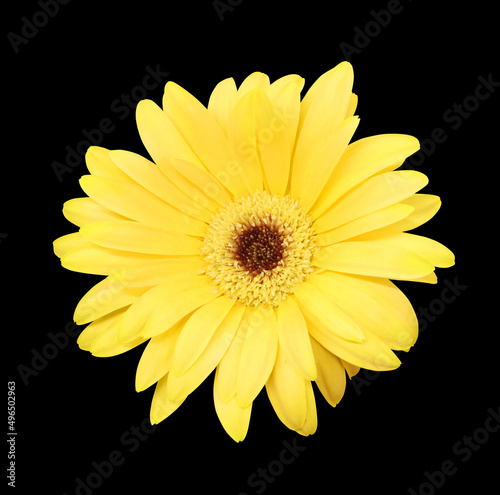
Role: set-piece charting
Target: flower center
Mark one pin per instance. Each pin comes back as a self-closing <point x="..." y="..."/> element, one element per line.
<point x="259" y="248"/>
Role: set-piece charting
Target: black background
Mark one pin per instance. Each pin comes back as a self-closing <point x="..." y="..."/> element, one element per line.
<point x="389" y="429"/>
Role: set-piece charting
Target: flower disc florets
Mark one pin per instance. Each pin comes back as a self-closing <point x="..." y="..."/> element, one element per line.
<point x="259" y="248"/>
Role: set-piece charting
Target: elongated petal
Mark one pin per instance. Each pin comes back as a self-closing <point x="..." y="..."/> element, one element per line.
<point x="161" y="406"/>
<point x="160" y="136"/>
<point x="284" y="95"/>
<point x="258" y="354"/>
<point x="294" y="338"/>
<point x="331" y="374"/>
<point x="254" y="80"/>
<point x="373" y="258"/>
<point x="222" y="101"/>
<point x="98" y="328"/>
<point x="177" y="306"/>
<point x="182" y="385"/>
<point x="234" y="418"/>
<point x="311" y="422"/>
<point x="363" y="159"/>
<point x="432" y="251"/>
<point x="323" y="109"/>
<point x="375" y="304"/>
<point x="205" y="137"/>
<point x="150" y="176"/>
<point x="425" y="206"/>
<point x="133" y="201"/>
<point x="110" y="294"/>
<point x="156" y="360"/>
<point x="69" y="242"/>
<point x="311" y="174"/>
<point x="323" y="312"/>
<point x="99" y="260"/>
<point x="140" y="238"/>
<point x="158" y="271"/>
<point x="386" y="217"/>
<point x="107" y="344"/>
<point x="139" y="313"/>
<point x="200" y="184"/>
<point x="372" y="195"/>
<point x="371" y="354"/>
<point x="197" y="333"/>
<point x="81" y="211"/>
<point x="99" y="163"/>
<point x="286" y="390"/>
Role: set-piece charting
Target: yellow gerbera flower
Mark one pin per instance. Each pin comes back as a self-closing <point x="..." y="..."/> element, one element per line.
<point x="258" y="242"/>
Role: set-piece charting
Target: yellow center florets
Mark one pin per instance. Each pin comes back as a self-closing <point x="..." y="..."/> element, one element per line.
<point x="259" y="248"/>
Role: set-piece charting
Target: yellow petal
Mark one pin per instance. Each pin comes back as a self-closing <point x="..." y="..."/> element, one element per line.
<point x="373" y="258"/>
<point x="371" y="354"/>
<point x="312" y="172"/>
<point x="425" y="207"/>
<point x="222" y="101"/>
<point x="258" y="354"/>
<point x="286" y="390"/>
<point x="107" y="344"/>
<point x="161" y="406"/>
<point x="160" y="137"/>
<point x="156" y="360"/>
<point x="350" y="368"/>
<point x="134" y="321"/>
<point x="182" y="385"/>
<point x="372" y="195"/>
<point x="386" y="217"/>
<point x="284" y="94"/>
<point x="179" y="305"/>
<point x="99" y="163"/>
<point x="294" y="339"/>
<point x="155" y="272"/>
<point x="234" y="418"/>
<point x="325" y="314"/>
<point x="254" y="80"/>
<point x="81" y="211"/>
<point x="311" y="422"/>
<point x="243" y="135"/>
<point x="99" y="260"/>
<point x="363" y="159"/>
<point x="97" y="328"/>
<point x="324" y="107"/>
<point x="206" y="138"/>
<point x="331" y="374"/>
<point x="133" y="201"/>
<point x="105" y="297"/>
<point x="201" y="185"/>
<point x="140" y="238"/>
<point x="69" y="242"/>
<point x="197" y="333"/>
<point x="432" y="251"/>
<point x="149" y="175"/>
<point x="374" y="304"/>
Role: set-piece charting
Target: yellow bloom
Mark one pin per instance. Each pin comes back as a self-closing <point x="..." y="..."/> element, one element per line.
<point x="257" y="243"/>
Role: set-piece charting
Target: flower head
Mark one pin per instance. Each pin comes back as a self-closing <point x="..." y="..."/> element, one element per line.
<point x="257" y="242"/>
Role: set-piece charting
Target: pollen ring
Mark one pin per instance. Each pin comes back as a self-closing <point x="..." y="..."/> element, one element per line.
<point x="259" y="248"/>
